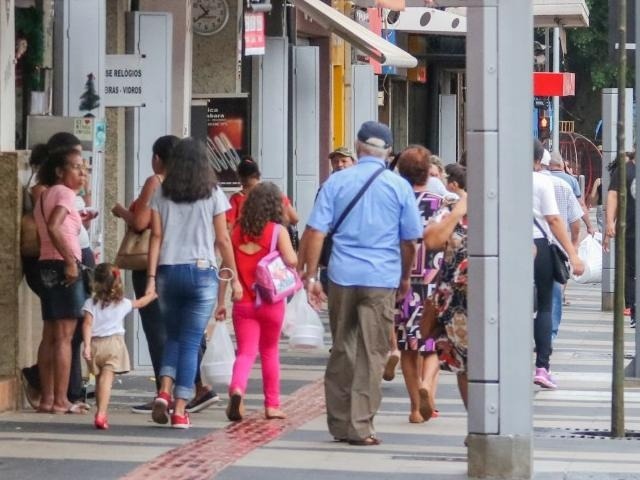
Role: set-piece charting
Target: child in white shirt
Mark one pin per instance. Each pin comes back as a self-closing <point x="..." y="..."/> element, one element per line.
<point x="103" y="333"/>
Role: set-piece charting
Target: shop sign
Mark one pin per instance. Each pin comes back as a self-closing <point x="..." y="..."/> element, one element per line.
<point x="123" y="81"/>
<point x="227" y="136"/>
<point x="254" y="38"/>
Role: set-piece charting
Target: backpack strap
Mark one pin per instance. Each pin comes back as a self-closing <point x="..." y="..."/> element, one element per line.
<point x="274" y="237"/>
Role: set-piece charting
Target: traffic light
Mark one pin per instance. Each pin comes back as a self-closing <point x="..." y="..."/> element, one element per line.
<point x="544" y="127"/>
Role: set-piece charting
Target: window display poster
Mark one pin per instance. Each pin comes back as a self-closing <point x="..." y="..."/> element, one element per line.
<point x="227" y="137"/>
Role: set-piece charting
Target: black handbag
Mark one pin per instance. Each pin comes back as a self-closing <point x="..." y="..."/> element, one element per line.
<point x="292" y="230"/>
<point x="559" y="259"/>
<point x="327" y="245"/>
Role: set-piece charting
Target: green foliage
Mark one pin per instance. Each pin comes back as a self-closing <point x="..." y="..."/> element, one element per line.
<point x="28" y="24"/>
<point x="588" y="49"/>
<point x="89" y="100"/>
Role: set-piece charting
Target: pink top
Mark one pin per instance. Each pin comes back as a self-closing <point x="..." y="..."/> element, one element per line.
<point x="58" y="195"/>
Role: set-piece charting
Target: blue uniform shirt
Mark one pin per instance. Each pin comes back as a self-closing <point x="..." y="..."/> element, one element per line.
<point x="366" y="247"/>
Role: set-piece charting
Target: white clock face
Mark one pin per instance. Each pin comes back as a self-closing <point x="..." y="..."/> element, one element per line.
<point x="209" y="16"/>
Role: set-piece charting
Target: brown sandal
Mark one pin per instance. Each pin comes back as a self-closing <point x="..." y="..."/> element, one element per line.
<point x="426" y="404"/>
<point x="235" y="409"/>
<point x="366" y="442"/>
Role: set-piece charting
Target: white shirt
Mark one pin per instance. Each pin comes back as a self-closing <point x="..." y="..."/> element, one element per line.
<point x="544" y="203"/>
<point x="435" y="185"/>
<point x="108" y="320"/>
<point x="83" y="237"/>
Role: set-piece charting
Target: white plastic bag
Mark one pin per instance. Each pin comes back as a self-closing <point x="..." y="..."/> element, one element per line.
<point x="217" y="363"/>
<point x="590" y="251"/>
<point x="302" y="324"/>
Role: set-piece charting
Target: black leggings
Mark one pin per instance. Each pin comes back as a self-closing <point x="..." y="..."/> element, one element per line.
<point x="543" y="277"/>
<point x="630" y="275"/>
<point x="151" y="320"/>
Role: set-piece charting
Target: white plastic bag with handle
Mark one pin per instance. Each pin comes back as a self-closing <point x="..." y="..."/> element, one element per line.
<point x="302" y="324"/>
<point x="217" y="363"/>
<point x="590" y="252"/>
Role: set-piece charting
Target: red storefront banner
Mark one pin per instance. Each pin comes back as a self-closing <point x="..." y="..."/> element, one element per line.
<point x="254" y="39"/>
<point x="375" y="25"/>
<point x="552" y="84"/>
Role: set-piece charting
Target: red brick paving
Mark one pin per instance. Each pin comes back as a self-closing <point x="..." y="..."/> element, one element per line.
<point x="204" y="458"/>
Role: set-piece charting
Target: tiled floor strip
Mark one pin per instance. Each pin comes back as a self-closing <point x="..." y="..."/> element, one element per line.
<point x="202" y="459"/>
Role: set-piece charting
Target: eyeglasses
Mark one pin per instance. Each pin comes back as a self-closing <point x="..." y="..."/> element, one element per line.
<point x="76" y="166"/>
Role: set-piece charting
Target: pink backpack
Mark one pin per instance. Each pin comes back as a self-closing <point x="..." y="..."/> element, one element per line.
<point x="274" y="280"/>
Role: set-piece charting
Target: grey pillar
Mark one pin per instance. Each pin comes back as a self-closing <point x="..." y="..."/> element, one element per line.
<point x="499" y="135"/>
<point x="609" y="153"/>
<point x="556" y="100"/>
<point x="636" y="363"/>
<point x="7" y="76"/>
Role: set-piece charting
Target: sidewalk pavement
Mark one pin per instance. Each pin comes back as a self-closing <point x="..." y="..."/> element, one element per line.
<point x="568" y="427"/>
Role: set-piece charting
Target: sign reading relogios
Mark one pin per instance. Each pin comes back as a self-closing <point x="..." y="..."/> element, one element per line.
<point x="123" y="81"/>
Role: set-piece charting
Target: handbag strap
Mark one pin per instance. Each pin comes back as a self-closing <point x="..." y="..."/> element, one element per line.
<point x="356" y="198"/>
<point x="274" y="237"/>
<point x="44" y="217"/>
<point x="544" y="234"/>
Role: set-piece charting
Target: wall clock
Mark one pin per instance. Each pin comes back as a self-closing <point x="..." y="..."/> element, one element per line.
<point x="209" y="16"/>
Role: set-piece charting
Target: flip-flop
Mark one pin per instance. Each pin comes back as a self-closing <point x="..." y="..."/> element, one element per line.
<point x="235" y="409"/>
<point x="426" y="405"/>
<point x="82" y="405"/>
<point x="73" y="409"/>
<point x="276" y="414"/>
<point x="390" y="367"/>
<point x="366" y="442"/>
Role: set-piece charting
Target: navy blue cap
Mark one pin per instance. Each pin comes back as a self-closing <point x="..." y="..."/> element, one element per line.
<point x="375" y="134"/>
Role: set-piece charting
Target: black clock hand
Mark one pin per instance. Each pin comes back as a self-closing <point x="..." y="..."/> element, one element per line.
<point x="201" y="16"/>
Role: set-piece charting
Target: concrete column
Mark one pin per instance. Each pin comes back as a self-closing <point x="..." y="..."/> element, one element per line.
<point x="556" y="100"/>
<point x="114" y="157"/>
<point x="182" y="65"/>
<point x="499" y="73"/>
<point x="10" y="274"/>
<point x="636" y="362"/>
<point x="7" y="76"/>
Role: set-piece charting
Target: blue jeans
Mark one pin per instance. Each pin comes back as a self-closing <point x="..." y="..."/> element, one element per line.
<point x="186" y="297"/>
<point x="556" y="309"/>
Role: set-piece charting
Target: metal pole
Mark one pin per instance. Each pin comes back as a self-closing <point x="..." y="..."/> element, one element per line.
<point x="636" y="363"/>
<point x="500" y="91"/>
<point x="546" y="50"/>
<point x="617" y="384"/>
<point x="556" y="100"/>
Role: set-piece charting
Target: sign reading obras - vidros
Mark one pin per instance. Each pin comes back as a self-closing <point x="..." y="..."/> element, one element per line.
<point x="123" y="81"/>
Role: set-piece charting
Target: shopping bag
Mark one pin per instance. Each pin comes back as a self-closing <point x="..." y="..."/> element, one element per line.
<point x="302" y="324"/>
<point x="590" y="251"/>
<point x="217" y="362"/>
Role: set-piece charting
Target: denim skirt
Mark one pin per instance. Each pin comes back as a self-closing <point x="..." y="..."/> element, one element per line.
<point x="59" y="301"/>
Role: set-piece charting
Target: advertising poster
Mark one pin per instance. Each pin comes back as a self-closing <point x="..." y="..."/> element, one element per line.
<point x="227" y="137"/>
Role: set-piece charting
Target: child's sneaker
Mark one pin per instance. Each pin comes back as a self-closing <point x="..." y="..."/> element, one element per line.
<point x="543" y="379"/>
<point x="160" y="410"/>
<point x="101" y="422"/>
<point x="180" y="421"/>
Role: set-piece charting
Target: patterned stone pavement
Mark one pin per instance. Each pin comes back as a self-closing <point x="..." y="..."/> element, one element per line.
<point x="568" y="425"/>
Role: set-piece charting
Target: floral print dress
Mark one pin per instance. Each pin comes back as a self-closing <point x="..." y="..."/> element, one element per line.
<point x="423" y="272"/>
<point x="450" y="298"/>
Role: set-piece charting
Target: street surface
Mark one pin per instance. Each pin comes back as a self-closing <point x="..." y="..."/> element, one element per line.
<point x="568" y="426"/>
